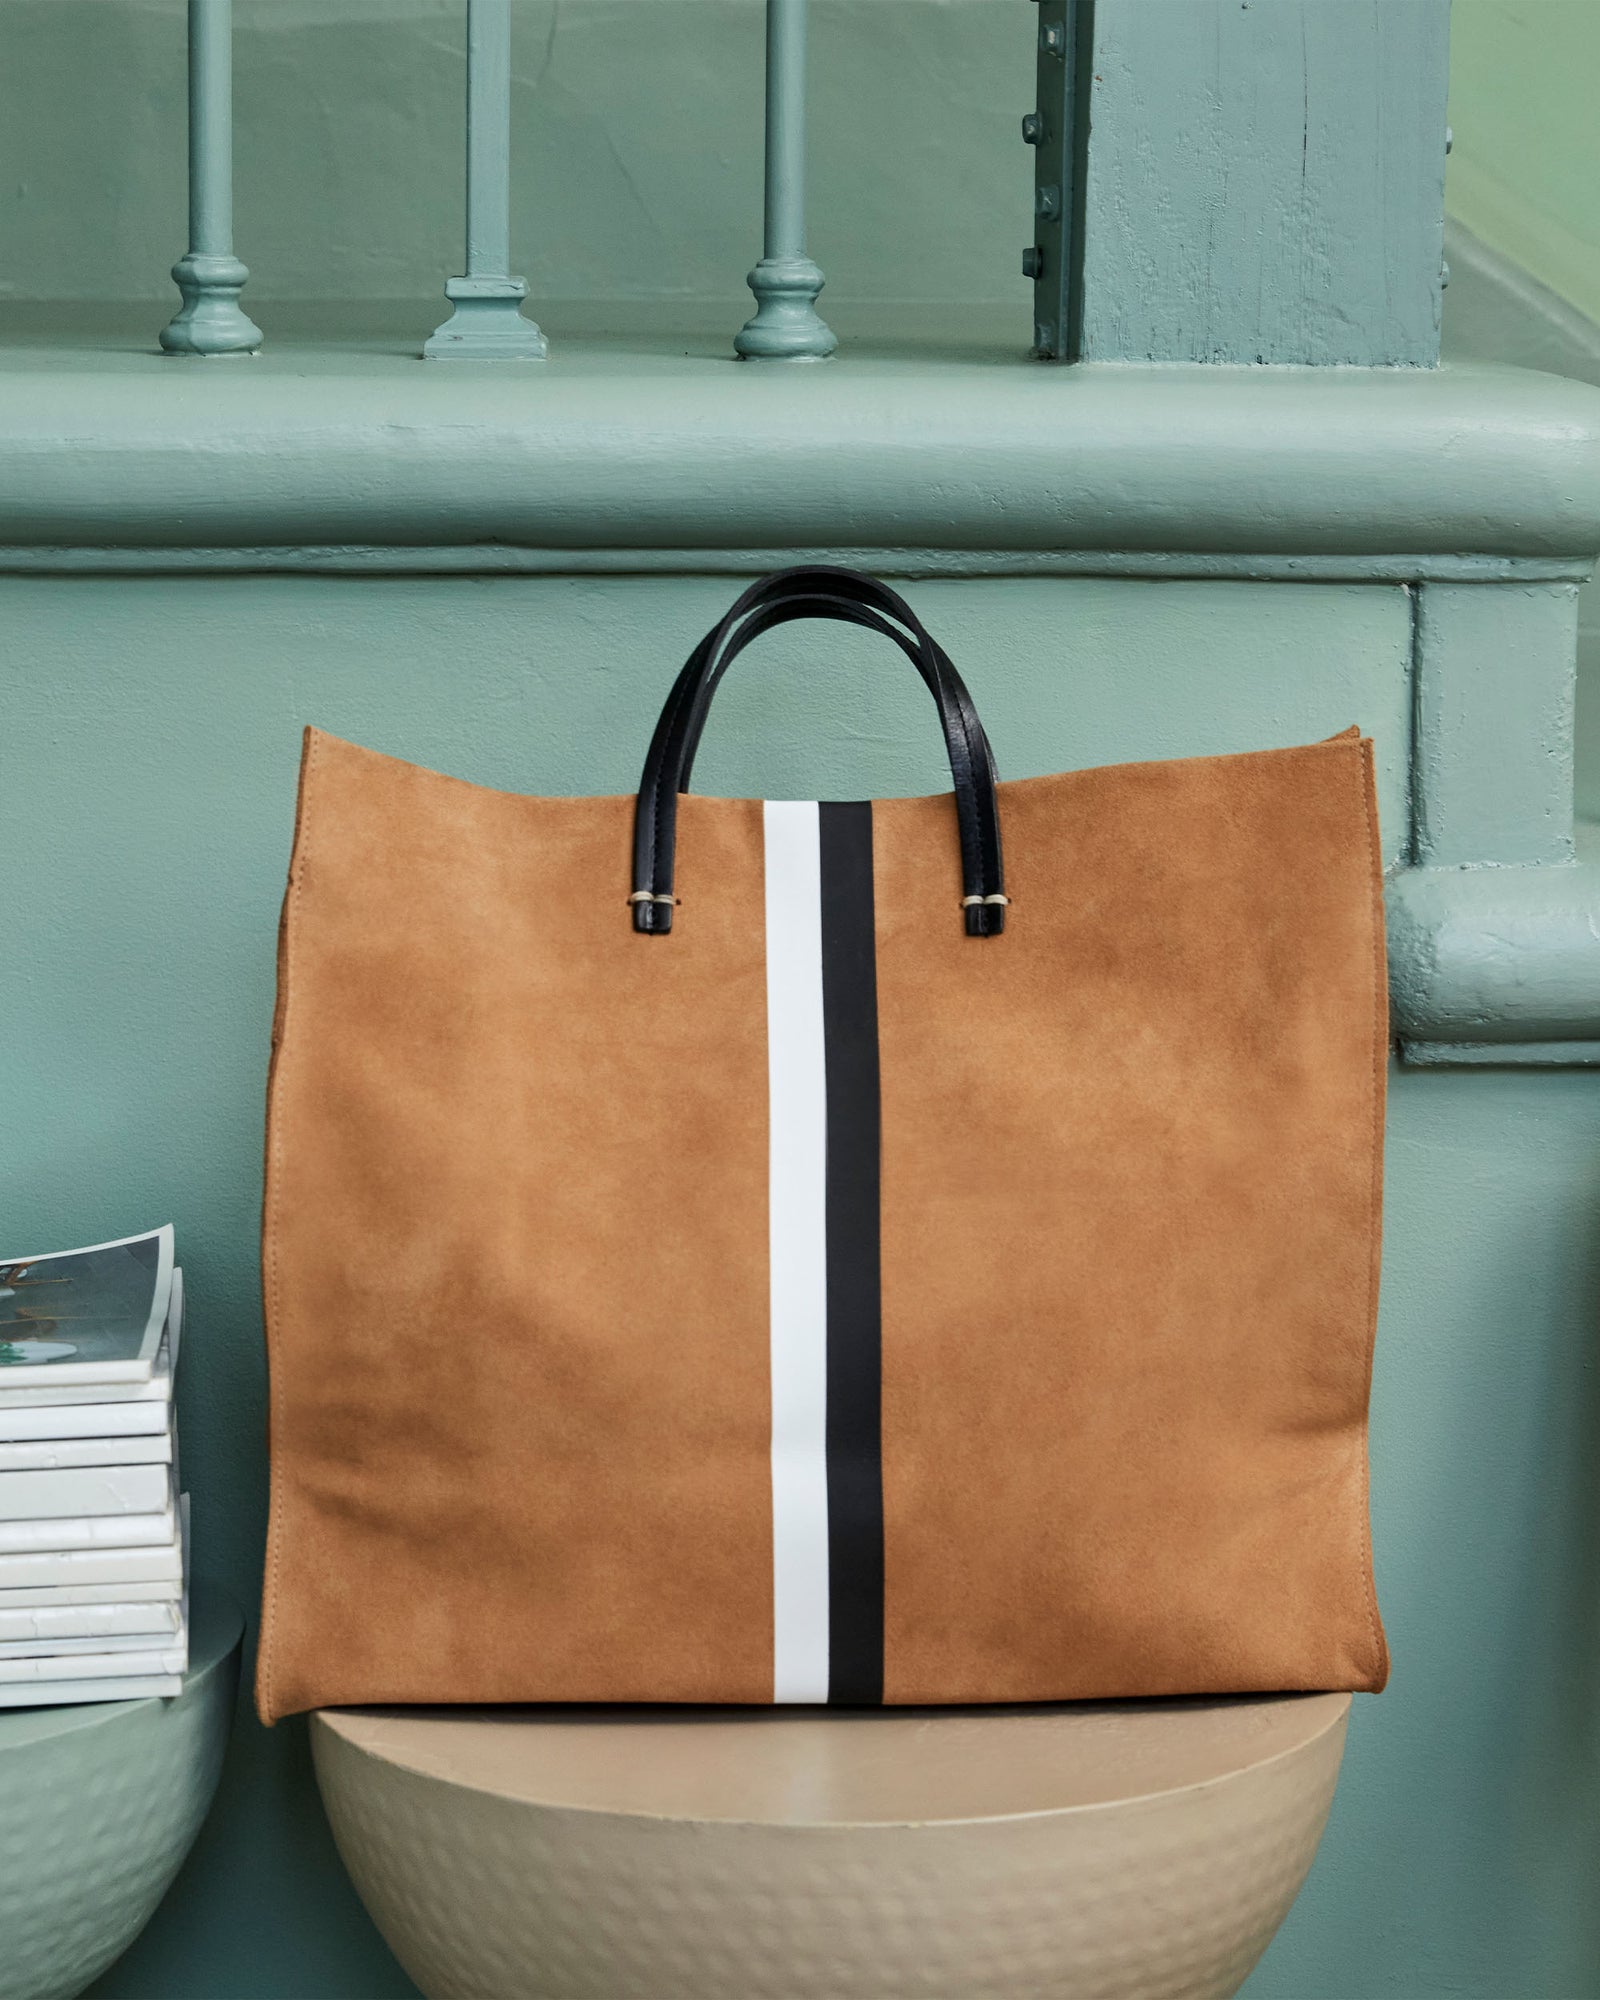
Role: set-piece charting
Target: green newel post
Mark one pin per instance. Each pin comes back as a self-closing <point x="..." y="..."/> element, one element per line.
<point x="1240" y="181"/>
<point x="487" y="323"/>
<point x="786" y="325"/>
<point x="211" y="320"/>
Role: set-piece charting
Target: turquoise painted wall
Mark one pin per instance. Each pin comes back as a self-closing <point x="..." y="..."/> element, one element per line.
<point x="1526" y="161"/>
<point x="1523" y="178"/>
<point x="638" y="143"/>
<point x="637" y="152"/>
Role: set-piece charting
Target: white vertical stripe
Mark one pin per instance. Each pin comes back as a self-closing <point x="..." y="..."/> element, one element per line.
<point x="797" y="1202"/>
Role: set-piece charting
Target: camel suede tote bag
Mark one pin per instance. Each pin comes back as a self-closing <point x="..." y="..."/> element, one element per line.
<point x="720" y="1250"/>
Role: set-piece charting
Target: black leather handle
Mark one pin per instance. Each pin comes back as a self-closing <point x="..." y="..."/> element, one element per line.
<point x="816" y="591"/>
<point x="934" y="667"/>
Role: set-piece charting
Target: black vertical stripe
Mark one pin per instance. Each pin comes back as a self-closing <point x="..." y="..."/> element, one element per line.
<point x="855" y="1391"/>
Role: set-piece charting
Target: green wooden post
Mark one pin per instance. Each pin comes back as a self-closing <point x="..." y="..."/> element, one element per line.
<point x="1240" y="181"/>
<point x="786" y="325"/>
<point x="211" y="320"/>
<point x="487" y="323"/>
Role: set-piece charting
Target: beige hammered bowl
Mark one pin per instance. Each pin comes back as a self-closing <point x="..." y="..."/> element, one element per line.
<point x="1124" y="1851"/>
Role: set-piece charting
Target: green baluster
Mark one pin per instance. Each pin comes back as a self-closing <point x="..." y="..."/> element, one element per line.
<point x="211" y="320"/>
<point x="786" y="325"/>
<point x="487" y="323"/>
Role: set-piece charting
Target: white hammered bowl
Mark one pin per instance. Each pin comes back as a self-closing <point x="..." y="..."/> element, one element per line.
<point x="1125" y="1851"/>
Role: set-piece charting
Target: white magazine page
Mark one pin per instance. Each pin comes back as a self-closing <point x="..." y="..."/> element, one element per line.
<point x="61" y="1694"/>
<point x="47" y="1454"/>
<point x="24" y="1421"/>
<point x="68" y="1391"/>
<point x="28" y="1569"/>
<point x="44" y="1492"/>
<point x="89" y="1533"/>
<point x="89" y="1628"/>
<point x="57" y="1596"/>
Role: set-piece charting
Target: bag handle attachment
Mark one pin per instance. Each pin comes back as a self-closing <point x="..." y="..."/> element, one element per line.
<point x="816" y="590"/>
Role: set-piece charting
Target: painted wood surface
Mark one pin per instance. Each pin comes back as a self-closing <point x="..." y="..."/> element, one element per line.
<point x="977" y="456"/>
<point x="1263" y="181"/>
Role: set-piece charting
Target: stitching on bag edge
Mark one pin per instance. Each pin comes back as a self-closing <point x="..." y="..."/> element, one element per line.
<point x="269" y="1617"/>
<point x="1380" y="1043"/>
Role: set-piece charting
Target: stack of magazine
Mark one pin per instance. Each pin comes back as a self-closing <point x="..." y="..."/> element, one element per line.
<point x="93" y="1535"/>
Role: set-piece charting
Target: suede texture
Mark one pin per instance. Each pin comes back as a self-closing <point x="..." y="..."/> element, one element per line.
<point x="1130" y="1213"/>
<point x="515" y="1244"/>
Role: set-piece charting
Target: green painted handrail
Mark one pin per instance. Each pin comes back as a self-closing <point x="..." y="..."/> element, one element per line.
<point x="1310" y="472"/>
